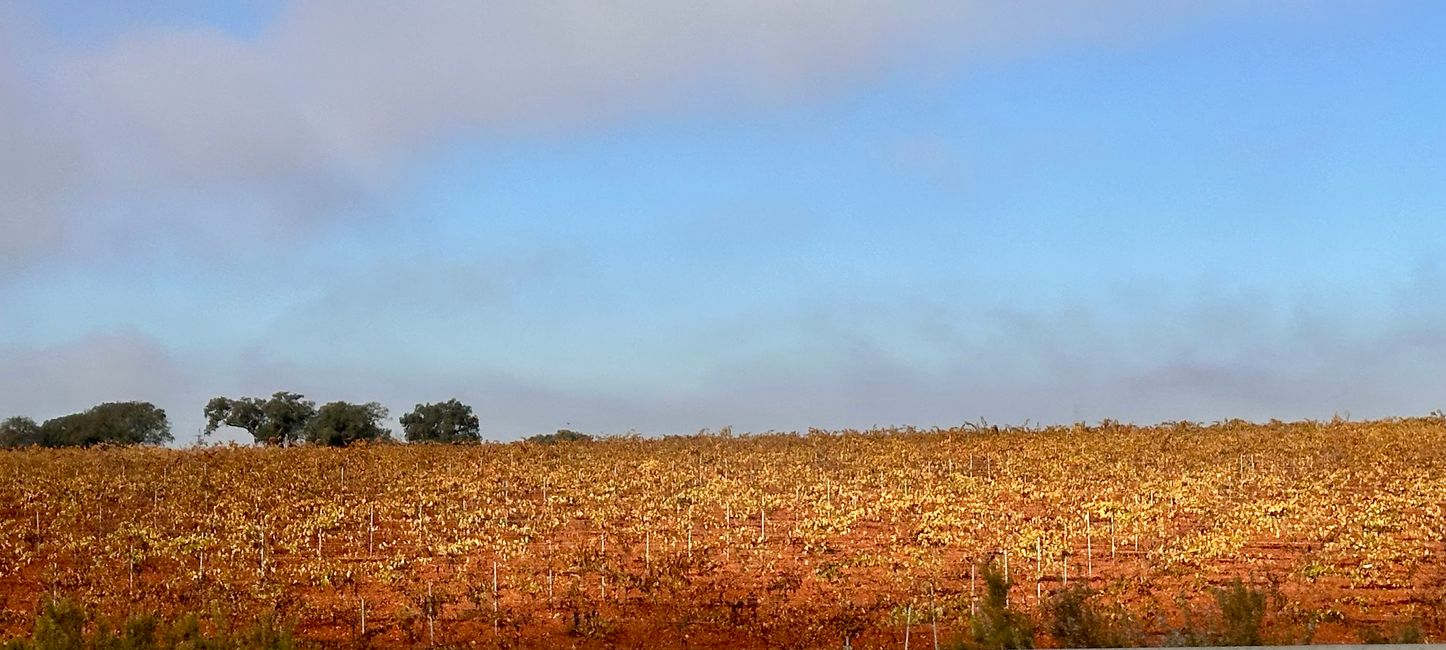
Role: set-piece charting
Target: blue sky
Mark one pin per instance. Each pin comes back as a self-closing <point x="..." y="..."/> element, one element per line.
<point x="643" y="216"/>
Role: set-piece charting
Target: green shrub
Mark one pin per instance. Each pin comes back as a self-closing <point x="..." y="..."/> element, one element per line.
<point x="62" y="625"/>
<point x="1409" y="632"/>
<point x="562" y="435"/>
<point x="1242" y="615"/>
<point x="1077" y="620"/>
<point x="995" y="626"/>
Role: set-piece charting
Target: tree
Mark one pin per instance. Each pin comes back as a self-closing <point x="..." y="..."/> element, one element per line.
<point x="128" y="423"/>
<point x="450" y="421"/>
<point x="338" y="424"/>
<point x="562" y="435"/>
<point x="280" y="420"/>
<point x="114" y="423"/>
<point x="20" y="432"/>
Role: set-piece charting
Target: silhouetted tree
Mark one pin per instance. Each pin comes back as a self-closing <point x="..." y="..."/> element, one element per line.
<point x="450" y="421"/>
<point x="114" y="423"/>
<point x="20" y="432"/>
<point x="280" y="420"/>
<point x="338" y="424"/>
<point x="562" y="435"/>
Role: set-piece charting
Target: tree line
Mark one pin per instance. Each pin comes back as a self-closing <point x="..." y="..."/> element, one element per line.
<point x="282" y="420"/>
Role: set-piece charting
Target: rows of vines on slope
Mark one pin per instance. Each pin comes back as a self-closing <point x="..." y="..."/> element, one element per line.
<point x="815" y="536"/>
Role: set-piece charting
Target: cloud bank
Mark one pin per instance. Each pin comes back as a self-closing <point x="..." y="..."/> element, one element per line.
<point x="188" y="133"/>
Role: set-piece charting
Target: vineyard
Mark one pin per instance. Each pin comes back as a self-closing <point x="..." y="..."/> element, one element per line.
<point x="863" y="539"/>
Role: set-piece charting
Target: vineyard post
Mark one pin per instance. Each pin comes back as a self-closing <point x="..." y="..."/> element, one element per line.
<point x="318" y="543"/>
<point x="1089" y="549"/>
<point x="1006" y="577"/>
<point x="371" y="527"/>
<point x="431" y="614"/>
<point x="131" y="567"/>
<point x="495" y="615"/>
<point x="934" y="616"/>
<point x="1038" y="570"/>
<point x="762" y="531"/>
<point x="364" y="617"/>
<point x="648" y="547"/>
<point x="973" y="602"/>
<point x="1112" y="535"/>
<point x="908" y="623"/>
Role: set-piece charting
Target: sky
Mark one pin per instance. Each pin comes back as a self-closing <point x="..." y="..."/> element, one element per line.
<point x="663" y="217"/>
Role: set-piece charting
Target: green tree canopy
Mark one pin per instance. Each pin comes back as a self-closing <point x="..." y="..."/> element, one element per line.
<point x="280" y="420"/>
<point x="20" y="432"/>
<point x="338" y="424"/>
<point x="450" y="421"/>
<point x="562" y="435"/>
<point x="113" y="423"/>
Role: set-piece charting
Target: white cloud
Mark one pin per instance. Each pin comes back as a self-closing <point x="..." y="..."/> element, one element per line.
<point x="322" y="108"/>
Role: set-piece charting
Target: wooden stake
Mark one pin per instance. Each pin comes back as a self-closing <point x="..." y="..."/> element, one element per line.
<point x="1006" y="578"/>
<point x="762" y="532"/>
<point x="973" y="602"/>
<point x="908" y="623"/>
<point x="1112" y="535"/>
<point x="1038" y="569"/>
<point x="431" y="614"/>
<point x="934" y="613"/>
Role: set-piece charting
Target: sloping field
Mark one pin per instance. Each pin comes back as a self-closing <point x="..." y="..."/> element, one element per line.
<point x="758" y="541"/>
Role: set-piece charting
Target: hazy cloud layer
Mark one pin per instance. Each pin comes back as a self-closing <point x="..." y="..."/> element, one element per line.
<point x="73" y="376"/>
<point x="1291" y="362"/>
<point x="195" y="134"/>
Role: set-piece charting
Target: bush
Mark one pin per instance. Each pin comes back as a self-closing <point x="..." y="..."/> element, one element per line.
<point x="995" y="626"/>
<point x="1242" y="615"/>
<point x="1406" y="633"/>
<point x="1238" y="619"/>
<point x="62" y="625"/>
<point x="1078" y="621"/>
<point x="562" y="435"/>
